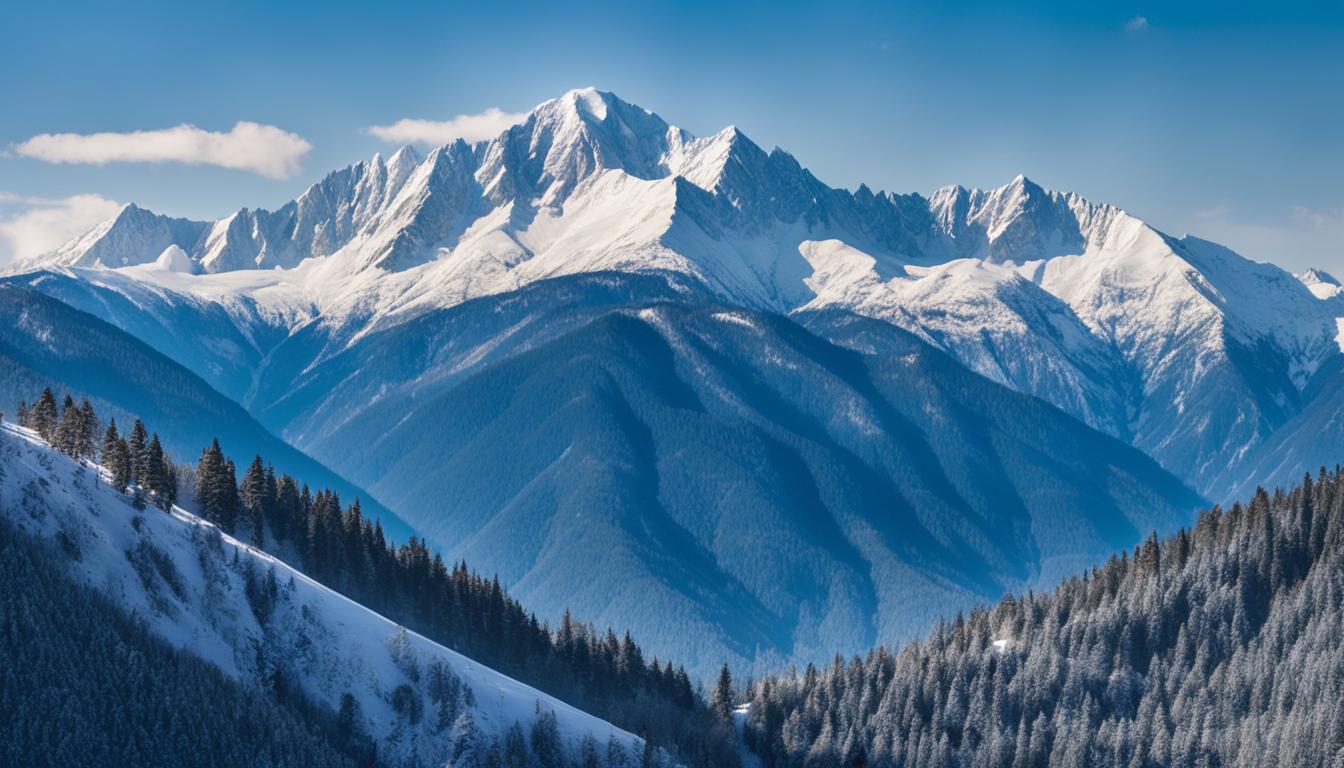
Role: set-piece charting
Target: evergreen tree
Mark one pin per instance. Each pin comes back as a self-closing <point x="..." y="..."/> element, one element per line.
<point x="116" y="457"/>
<point x="255" y="499"/>
<point x="216" y="489"/>
<point x="138" y="443"/>
<point x="158" y="477"/>
<point x="68" y="428"/>
<point x="45" y="417"/>
<point x="466" y="740"/>
<point x="88" y="430"/>
<point x="722" y="700"/>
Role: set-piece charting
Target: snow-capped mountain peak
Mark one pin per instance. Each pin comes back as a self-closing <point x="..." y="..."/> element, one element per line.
<point x="1101" y="310"/>
<point x="1322" y="284"/>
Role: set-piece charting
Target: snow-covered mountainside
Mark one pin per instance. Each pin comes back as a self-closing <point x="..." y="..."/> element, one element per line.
<point x="190" y="584"/>
<point x="1181" y="347"/>
<point x="631" y="448"/>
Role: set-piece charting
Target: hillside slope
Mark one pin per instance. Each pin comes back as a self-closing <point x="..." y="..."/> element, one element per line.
<point x="44" y="342"/>
<point x="1218" y="646"/>
<point x="732" y="474"/>
<point x="264" y="624"/>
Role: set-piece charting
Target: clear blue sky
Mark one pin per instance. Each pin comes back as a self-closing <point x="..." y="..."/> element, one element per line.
<point x="1209" y="118"/>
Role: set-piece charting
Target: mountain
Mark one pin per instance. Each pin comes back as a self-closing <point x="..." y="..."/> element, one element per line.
<point x="1175" y="345"/>
<point x="633" y="449"/>
<point x="46" y="343"/>
<point x="262" y="624"/>
<point x="1217" y="646"/>
<point x="1322" y="284"/>
<point x="434" y="310"/>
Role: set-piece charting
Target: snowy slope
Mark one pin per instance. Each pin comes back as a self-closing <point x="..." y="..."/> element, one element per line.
<point x="724" y="481"/>
<point x="187" y="581"/>
<point x="1177" y="345"/>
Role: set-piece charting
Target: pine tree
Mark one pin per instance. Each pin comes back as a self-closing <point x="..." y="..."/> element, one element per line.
<point x="138" y="442"/>
<point x="255" y="498"/>
<point x="116" y="457"/>
<point x="349" y="720"/>
<point x="69" y="428"/>
<point x="157" y="474"/>
<point x="466" y="740"/>
<point x="216" y="488"/>
<point x="722" y="700"/>
<point x="45" y="417"/>
<point x="88" y="430"/>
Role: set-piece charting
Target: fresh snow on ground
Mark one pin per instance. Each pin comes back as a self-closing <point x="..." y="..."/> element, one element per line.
<point x="185" y="579"/>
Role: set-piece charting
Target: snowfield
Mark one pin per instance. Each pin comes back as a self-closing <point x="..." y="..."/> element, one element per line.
<point x="187" y="581"/>
<point x="1178" y="346"/>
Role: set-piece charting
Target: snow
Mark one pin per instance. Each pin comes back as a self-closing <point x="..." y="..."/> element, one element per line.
<point x="1322" y="284"/>
<point x="174" y="259"/>
<point x="334" y="644"/>
<point x="1076" y="302"/>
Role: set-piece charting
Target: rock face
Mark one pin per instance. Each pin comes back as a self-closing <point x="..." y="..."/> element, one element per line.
<point x="1177" y="346"/>
<point x="463" y="259"/>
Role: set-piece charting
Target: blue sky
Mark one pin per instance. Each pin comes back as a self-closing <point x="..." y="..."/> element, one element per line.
<point x="1215" y="119"/>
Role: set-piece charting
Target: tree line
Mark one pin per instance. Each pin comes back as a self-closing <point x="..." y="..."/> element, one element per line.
<point x="1222" y="645"/>
<point x="602" y="673"/>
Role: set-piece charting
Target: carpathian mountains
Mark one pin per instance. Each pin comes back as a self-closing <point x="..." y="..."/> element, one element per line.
<point x="681" y="385"/>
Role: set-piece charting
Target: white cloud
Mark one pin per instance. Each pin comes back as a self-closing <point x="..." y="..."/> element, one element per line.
<point x="1137" y="24"/>
<point x="471" y="128"/>
<point x="41" y="224"/>
<point x="261" y="149"/>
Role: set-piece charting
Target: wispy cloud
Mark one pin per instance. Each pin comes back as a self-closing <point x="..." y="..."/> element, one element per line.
<point x="39" y="224"/>
<point x="260" y="149"/>
<point x="1136" y="24"/>
<point x="471" y="128"/>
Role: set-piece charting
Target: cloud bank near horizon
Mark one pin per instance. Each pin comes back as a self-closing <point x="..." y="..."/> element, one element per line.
<point x="38" y="225"/>
<point x="253" y="147"/>
<point x="469" y="128"/>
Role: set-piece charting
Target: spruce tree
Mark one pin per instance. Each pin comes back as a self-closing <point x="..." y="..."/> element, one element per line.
<point x="255" y="498"/>
<point x="45" y="418"/>
<point x="88" y="430"/>
<point x="157" y="475"/>
<point x="214" y="488"/>
<point x="69" y="428"/>
<point x="722" y="700"/>
<point x="137" y="443"/>
<point x="116" y="457"/>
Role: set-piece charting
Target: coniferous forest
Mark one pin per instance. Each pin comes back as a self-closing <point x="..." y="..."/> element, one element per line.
<point x="1222" y="645"/>
<point x="599" y="672"/>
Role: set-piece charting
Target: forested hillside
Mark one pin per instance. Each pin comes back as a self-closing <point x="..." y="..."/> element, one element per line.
<point x="334" y="543"/>
<point x="46" y="343"/>
<point x="1220" y="646"/>
<point x="83" y="684"/>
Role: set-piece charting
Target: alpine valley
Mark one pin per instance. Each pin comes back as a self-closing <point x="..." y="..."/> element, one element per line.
<point x="677" y="384"/>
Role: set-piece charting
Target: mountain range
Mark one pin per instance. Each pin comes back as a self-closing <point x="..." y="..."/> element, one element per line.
<point x="794" y="418"/>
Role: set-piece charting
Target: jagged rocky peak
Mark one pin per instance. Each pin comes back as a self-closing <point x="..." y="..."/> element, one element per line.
<point x="1322" y="284"/>
<point x="565" y="140"/>
<point x="1020" y="221"/>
